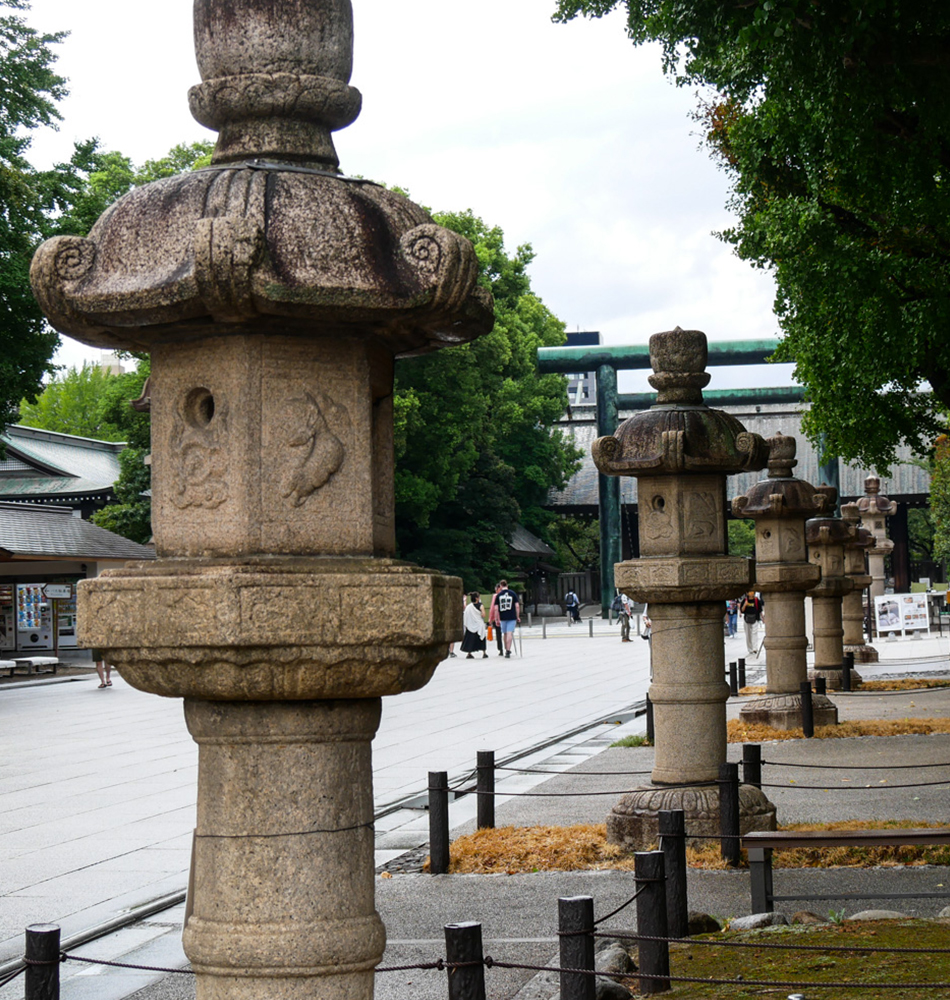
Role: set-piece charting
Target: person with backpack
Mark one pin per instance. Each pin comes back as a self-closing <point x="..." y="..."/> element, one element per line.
<point x="750" y="607"/>
<point x="573" y="605"/>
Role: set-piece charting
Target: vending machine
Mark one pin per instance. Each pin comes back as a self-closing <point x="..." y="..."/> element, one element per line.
<point x="7" y="618"/>
<point x="66" y="623"/>
<point x="34" y="621"/>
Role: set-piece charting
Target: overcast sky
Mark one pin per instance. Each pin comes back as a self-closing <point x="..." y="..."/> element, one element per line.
<point x="566" y="136"/>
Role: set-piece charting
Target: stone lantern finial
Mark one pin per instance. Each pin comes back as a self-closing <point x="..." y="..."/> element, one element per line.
<point x="782" y="459"/>
<point x="678" y="359"/>
<point x="273" y="92"/>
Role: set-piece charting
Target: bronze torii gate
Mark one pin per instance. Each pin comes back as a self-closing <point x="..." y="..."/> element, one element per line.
<point x="606" y="362"/>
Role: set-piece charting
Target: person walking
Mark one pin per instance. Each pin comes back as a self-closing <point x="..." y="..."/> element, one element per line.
<point x="750" y="607"/>
<point x="626" y="611"/>
<point x="103" y="669"/>
<point x="732" y="618"/>
<point x="475" y="630"/>
<point x="509" y="614"/>
<point x="495" y="621"/>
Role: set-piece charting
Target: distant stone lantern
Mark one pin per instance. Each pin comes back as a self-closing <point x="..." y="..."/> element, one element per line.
<point x="273" y="294"/>
<point x="874" y="509"/>
<point x="681" y="451"/>
<point x="827" y="538"/>
<point x="856" y="552"/>
<point x="780" y="505"/>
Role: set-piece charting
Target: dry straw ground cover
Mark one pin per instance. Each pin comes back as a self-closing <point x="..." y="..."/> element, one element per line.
<point x="743" y="732"/>
<point x="512" y="850"/>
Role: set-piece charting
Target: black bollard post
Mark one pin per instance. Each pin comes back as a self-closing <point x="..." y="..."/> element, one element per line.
<point x="576" y="932"/>
<point x="733" y="680"/>
<point x="485" y="789"/>
<point x="673" y="846"/>
<point x="821" y="685"/>
<point x="42" y="957"/>
<point x="590" y="627"/>
<point x="651" y="921"/>
<point x="651" y="732"/>
<point x="752" y="764"/>
<point x="438" y="822"/>
<point x="847" y="666"/>
<point x="741" y="674"/>
<point x="463" y="952"/>
<point x="808" y="712"/>
<point x="729" y="846"/>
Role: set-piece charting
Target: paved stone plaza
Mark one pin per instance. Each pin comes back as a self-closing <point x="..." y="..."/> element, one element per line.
<point x="99" y="786"/>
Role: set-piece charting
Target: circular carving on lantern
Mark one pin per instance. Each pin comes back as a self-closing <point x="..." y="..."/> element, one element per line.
<point x="74" y="257"/>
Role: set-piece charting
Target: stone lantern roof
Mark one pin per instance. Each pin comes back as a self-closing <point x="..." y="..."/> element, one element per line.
<point x="679" y="434"/>
<point x="271" y="236"/>
<point x="781" y="494"/>
<point x="873" y="503"/>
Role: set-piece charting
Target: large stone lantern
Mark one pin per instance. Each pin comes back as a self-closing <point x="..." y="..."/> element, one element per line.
<point x="859" y="546"/>
<point x="681" y="451"/>
<point x="827" y="538"/>
<point x="780" y="505"/>
<point x="273" y="294"/>
<point x="874" y="508"/>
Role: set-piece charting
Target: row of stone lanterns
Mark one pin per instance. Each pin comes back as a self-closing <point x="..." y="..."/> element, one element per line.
<point x="681" y="452"/>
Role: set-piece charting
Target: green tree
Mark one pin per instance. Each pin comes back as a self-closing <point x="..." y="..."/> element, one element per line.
<point x="131" y="514"/>
<point x="72" y="402"/>
<point x="476" y="449"/>
<point x="29" y="90"/>
<point x="832" y="120"/>
<point x="741" y="537"/>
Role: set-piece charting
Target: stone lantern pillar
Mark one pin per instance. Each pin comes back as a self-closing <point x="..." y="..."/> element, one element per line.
<point x="852" y="604"/>
<point x="873" y="508"/>
<point x="827" y="538"/>
<point x="681" y="452"/>
<point x="780" y="505"/>
<point x="273" y="294"/>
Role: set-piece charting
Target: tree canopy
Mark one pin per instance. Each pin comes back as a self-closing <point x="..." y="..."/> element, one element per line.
<point x="29" y="90"/>
<point x="475" y="450"/>
<point x="832" y="120"/>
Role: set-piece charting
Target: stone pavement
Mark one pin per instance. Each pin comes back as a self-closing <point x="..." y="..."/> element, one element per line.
<point x="98" y="786"/>
<point x="518" y="912"/>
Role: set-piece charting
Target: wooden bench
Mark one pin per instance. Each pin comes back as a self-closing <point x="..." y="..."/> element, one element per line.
<point x="760" y="845"/>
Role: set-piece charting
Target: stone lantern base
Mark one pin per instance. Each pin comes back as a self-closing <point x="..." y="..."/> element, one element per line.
<point x="634" y="823"/>
<point x="832" y="676"/>
<point x="784" y="711"/>
<point x="863" y="653"/>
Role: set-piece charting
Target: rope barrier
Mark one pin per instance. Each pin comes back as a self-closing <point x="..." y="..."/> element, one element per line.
<point x="858" y="788"/>
<point x="853" y="767"/>
<point x="121" y="965"/>
<point x="593" y="774"/>
<point x="576" y="795"/>
<point x="9" y="978"/>
<point x="634" y="936"/>
<point x="623" y="906"/>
